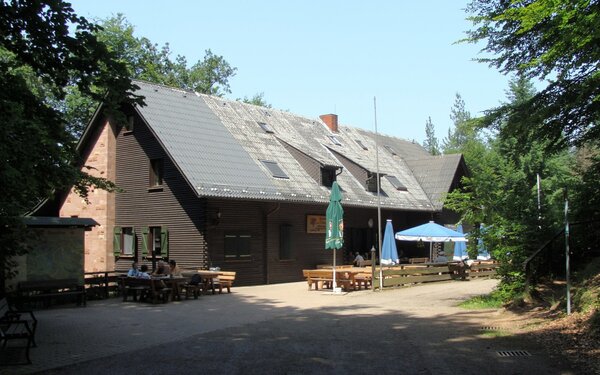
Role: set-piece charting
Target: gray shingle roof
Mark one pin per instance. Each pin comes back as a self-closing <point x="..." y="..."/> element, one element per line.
<point x="219" y="146"/>
<point x="204" y="150"/>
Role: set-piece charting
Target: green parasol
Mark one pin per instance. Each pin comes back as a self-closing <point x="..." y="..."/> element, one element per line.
<point x="334" y="232"/>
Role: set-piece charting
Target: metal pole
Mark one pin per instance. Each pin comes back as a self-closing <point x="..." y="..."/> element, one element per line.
<point x="567" y="259"/>
<point x="539" y="201"/>
<point x="378" y="195"/>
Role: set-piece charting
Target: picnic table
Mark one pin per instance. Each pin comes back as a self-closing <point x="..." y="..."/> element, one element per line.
<point x="207" y="278"/>
<point x="349" y="278"/>
<point x="176" y="284"/>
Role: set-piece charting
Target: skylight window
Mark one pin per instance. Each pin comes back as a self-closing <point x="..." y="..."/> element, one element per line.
<point x="396" y="183"/>
<point x="275" y="169"/>
<point x="362" y="145"/>
<point x="266" y="127"/>
<point x="390" y="149"/>
<point x="335" y="140"/>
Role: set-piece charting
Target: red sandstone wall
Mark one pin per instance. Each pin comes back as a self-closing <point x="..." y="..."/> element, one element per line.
<point x="98" y="242"/>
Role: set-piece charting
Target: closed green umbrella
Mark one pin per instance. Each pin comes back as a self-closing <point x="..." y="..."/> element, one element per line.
<point x="334" y="232"/>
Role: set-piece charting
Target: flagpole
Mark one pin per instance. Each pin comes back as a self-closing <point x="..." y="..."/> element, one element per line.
<point x="378" y="193"/>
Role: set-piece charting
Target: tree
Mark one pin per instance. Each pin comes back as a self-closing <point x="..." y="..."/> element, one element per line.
<point x="257" y="99"/>
<point x="431" y="143"/>
<point x="39" y="59"/>
<point x="556" y="41"/>
<point x="149" y="62"/>
<point x="462" y="131"/>
<point x="501" y="192"/>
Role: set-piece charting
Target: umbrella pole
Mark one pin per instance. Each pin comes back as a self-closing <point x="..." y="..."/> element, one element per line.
<point x="334" y="283"/>
<point x="430" y="251"/>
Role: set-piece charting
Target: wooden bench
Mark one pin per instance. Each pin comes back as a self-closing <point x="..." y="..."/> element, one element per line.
<point x="417" y="260"/>
<point x="8" y="315"/>
<point x="45" y="291"/>
<point x="153" y="289"/>
<point x="363" y="279"/>
<point x="323" y="278"/>
<point x="102" y="284"/>
<point x="225" y="280"/>
<point x="18" y="331"/>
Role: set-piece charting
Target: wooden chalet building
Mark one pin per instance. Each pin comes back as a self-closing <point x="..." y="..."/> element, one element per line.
<point x="213" y="182"/>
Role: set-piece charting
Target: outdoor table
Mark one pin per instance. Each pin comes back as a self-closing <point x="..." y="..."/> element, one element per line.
<point x="175" y="284"/>
<point x="208" y="279"/>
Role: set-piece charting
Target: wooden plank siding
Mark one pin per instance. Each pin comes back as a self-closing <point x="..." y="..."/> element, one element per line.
<point x="174" y="205"/>
<point x="197" y="238"/>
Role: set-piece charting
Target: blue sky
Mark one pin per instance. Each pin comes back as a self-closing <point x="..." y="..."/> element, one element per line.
<point x="318" y="57"/>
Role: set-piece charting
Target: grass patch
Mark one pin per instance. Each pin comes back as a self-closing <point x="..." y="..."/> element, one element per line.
<point x="488" y="301"/>
<point x="495" y="333"/>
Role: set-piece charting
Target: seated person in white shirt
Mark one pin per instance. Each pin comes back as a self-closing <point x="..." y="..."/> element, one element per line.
<point x="358" y="260"/>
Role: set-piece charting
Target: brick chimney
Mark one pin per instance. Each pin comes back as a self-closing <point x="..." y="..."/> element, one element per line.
<point x="331" y="121"/>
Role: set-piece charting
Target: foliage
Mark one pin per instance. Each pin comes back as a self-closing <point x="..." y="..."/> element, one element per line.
<point x="431" y="142"/>
<point x="587" y="292"/>
<point x="501" y="192"/>
<point x="39" y="58"/>
<point x="149" y="62"/>
<point x="463" y="130"/>
<point x="257" y="99"/>
<point x="488" y="301"/>
<point x="549" y="40"/>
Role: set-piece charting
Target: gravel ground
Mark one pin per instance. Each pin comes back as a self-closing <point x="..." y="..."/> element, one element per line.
<point x="285" y="329"/>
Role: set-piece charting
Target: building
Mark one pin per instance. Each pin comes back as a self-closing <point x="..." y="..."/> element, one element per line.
<point x="212" y="182"/>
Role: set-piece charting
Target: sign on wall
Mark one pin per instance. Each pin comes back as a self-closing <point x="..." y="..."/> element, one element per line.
<point x="315" y="224"/>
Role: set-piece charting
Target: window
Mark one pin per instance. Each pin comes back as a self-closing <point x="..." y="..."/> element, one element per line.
<point x="155" y="242"/>
<point x="390" y="149"/>
<point x="285" y="242"/>
<point x="123" y="242"/>
<point x="237" y="246"/>
<point x="274" y="168"/>
<point x="372" y="183"/>
<point x="265" y="127"/>
<point x="156" y="172"/>
<point x="127" y="241"/>
<point x="362" y="145"/>
<point x="335" y="140"/>
<point x="396" y="183"/>
<point x="327" y="176"/>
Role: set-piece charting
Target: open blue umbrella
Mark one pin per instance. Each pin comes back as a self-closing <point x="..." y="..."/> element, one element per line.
<point x="460" y="248"/>
<point x="431" y="232"/>
<point x="389" y="252"/>
<point x="482" y="252"/>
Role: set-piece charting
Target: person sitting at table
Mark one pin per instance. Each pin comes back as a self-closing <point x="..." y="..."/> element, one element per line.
<point x="162" y="269"/>
<point x="359" y="260"/>
<point x="143" y="273"/>
<point x="133" y="271"/>
<point x="174" y="269"/>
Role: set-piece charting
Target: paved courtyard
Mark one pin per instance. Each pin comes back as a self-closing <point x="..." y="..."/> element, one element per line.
<point x="284" y="329"/>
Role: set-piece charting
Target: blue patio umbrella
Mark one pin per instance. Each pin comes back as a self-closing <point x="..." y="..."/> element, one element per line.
<point x="430" y="232"/>
<point x="482" y="252"/>
<point x="460" y="248"/>
<point x="389" y="252"/>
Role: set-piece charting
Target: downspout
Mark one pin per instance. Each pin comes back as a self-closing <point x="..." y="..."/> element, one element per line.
<point x="266" y="241"/>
